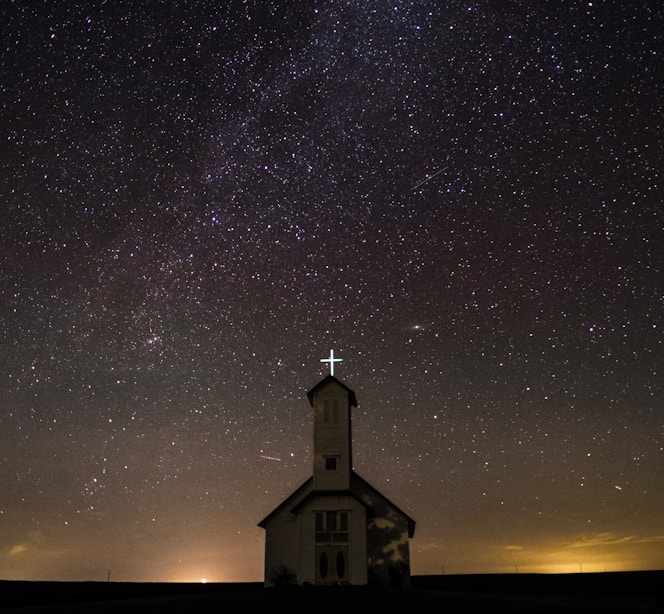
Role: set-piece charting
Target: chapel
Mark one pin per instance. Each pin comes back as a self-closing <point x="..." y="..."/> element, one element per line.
<point x="336" y="528"/>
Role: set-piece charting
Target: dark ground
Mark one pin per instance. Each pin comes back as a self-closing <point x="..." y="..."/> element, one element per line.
<point x="573" y="593"/>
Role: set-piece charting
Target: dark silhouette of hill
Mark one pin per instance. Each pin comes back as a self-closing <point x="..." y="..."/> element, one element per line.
<point x="571" y="593"/>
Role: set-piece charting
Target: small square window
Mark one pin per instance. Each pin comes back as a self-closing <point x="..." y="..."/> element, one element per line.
<point x="330" y="463"/>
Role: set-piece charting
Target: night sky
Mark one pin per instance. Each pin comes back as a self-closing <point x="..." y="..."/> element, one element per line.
<point x="202" y="199"/>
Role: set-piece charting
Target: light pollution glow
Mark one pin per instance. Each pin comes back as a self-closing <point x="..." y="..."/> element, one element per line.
<point x="591" y="553"/>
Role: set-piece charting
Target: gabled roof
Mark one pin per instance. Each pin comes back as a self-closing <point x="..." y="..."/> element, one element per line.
<point x="325" y="381"/>
<point x="306" y="491"/>
<point x="411" y="522"/>
<point x="292" y="499"/>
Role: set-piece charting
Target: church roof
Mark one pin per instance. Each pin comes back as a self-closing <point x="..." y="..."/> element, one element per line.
<point x="363" y="482"/>
<point x="358" y="484"/>
<point x="297" y="495"/>
<point x="325" y="381"/>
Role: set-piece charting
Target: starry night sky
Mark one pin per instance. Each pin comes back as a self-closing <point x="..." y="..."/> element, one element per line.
<point x="201" y="199"/>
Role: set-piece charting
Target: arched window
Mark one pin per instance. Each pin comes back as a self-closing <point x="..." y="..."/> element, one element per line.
<point x="341" y="564"/>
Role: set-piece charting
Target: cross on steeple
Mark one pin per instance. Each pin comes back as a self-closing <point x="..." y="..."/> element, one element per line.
<point x="331" y="360"/>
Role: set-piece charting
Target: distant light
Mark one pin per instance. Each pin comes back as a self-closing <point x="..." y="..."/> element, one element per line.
<point x="203" y="581"/>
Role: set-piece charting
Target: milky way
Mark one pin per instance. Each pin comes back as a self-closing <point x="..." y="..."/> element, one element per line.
<point x="201" y="200"/>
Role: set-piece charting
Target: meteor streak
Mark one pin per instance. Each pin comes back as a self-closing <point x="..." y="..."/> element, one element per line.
<point x="427" y="178"/>
<point x="272" y="458"/>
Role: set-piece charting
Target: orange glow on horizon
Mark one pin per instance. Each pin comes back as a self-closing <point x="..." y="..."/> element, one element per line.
<point x="588" y="553"/>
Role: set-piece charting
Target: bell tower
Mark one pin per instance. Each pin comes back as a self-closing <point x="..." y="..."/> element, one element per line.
<point x="332" y="401"/>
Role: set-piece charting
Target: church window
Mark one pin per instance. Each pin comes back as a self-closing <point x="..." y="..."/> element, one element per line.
<point x="341" y="564"/>
<point x="331" y="413"/>
<point x="331" y="463"/>
<point x="323" y="565"/>
<point x="331" y="521"/>
<point x="331" y="527"/>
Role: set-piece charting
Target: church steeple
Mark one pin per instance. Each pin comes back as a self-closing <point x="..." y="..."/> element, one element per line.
<point x="332" y="402"/>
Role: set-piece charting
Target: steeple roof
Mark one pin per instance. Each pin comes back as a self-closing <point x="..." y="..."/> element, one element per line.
<point x="327" y="380"/>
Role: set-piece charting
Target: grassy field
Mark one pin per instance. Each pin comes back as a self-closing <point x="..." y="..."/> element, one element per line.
<point x="574" y="593"/>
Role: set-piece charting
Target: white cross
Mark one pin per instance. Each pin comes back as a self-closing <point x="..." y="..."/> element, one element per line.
<point x="331" y="360"/>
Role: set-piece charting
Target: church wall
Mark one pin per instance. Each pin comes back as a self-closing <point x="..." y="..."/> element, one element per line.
<point x="388" y="549"/>
<point x="282" y="550"/>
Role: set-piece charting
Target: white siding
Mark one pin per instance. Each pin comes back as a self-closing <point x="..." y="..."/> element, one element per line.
<point x="281" y="547"/>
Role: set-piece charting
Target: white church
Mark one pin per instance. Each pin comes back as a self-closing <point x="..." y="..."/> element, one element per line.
<point x="336" y="528"/>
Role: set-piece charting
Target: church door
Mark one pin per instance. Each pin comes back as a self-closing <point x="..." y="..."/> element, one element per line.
<point x="331" y="564"/>
<point x="332" y="547"/>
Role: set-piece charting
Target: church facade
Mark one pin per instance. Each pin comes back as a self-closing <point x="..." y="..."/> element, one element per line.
<point x="336" y="528"/>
